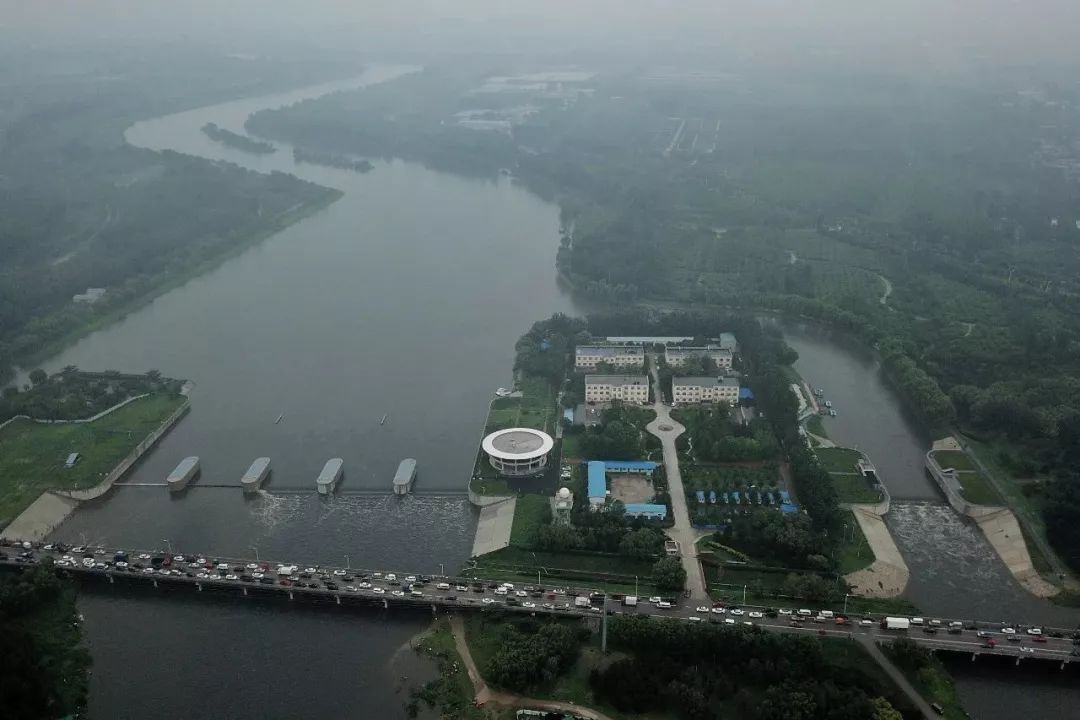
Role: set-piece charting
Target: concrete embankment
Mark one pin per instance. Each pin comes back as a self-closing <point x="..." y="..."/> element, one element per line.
<point x="493" y="529"/>
<point x="54" y="506"/>
<point x="888" y="575"/>
<point x="998" y="524"/>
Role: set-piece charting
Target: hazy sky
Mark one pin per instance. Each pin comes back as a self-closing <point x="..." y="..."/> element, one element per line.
<point x="1008" y="31"/>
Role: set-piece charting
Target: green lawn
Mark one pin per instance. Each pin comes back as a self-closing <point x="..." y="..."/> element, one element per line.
<point x="32" y="455"/>
<point x="838" y="459"/>
<point x="955" y="459"/>
<point x="977" y="489"/>
<point x="853" y="488"/>
<point x="530" y="512"/>
<point x="816" y="425"/>
<point x="854" y="552"/>
<point x="571" y="447"/>
<point x="934" y="684"/>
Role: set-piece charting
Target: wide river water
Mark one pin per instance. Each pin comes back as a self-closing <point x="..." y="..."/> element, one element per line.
<point x="404" y="299"/>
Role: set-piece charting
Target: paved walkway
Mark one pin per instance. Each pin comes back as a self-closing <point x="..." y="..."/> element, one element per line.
<point x="667" y="430"/>
<point x="898" y="677"/>
<point x="485" y="695"/>
<point x="493" y="529"/>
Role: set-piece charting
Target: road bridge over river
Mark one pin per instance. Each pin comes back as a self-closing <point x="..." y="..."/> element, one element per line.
<point x="357" y="587"/>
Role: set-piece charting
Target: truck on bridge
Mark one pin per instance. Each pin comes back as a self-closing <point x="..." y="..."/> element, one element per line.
<point x="896" y="623"/>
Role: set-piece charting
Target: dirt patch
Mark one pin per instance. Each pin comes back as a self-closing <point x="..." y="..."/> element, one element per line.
<point x="631" y="488"/>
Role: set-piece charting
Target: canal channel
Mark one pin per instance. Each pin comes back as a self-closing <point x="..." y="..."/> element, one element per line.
<point x="953" y="568"/>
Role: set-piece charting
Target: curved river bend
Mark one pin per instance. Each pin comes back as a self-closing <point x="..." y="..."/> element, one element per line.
<point x="403" y="298"/>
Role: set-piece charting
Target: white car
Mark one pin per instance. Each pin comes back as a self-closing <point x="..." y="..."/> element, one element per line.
<point x="121" y="564"/>
<point x="442" y="586"/>
<point x="311" y="570"/>
<point x="178" y="558"/>
<point x="548" y="606"/>
<point x="461" y="588"/>
<point x="756" y="615"/>
<point x="510" y="586"/>
<point x="200" y="561"/>
<point x="784" y="611"/>
<point x="1034" y="631"/>
<point x="390" y="577"/>
<point x="729" y="621"/>
<point x="398" y="593"/>
<point x="417" y="593"/>
<point x="202" y="576"/>
<point x="528" y="604"/>
<point x="736" y="611"/>
<point x="866" y="623"/>
<point x="230" y="576"/>
<point x="377" y="576"/>
<point x="410" y="579"/>
<point x="340" y="573"/>
<point x="252" y="566"/>
<point x="364" y="586"/>
<point x="694" y="618"/>
<point x="350" y="588"/>
<point x="702" y="608"/>
<point x="164" y="571"/>
<point x="1008" y="631"/>
<point x="378" y="591"/>
<point x="488" y="601"/>
<point x="663" y="605"/>
<point x="747" y="622"/>
<point x="500" y="591"/>
<point x="719" y="611"/>
<point x="1024" y="649"/>
<point x="804" y="612"/>
<point x="655" y="599"/>
<point x="142" y="556"/>
<point x="258" y="575"/>
<point x="521" y="593"/>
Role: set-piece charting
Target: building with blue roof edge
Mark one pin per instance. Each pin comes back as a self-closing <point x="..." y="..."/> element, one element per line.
<point x="596" y="484"/>
<point x="649" y="511"/>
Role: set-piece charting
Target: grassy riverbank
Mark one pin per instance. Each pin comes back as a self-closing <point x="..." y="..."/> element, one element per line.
<point x="171" y="280"/>
<point x="451" y="694"/>
<point x="32" y="454"/>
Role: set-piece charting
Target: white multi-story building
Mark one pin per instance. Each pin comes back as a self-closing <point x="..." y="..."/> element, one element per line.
<point x="704" y="389"/>
<point x="727" y="342"/>
<point x="677" y="355"/>
<point x="628" y="388"/>
<point x="586" y="357"/>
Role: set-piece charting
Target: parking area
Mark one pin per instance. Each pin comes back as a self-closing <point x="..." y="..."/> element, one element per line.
<point x="631" y="488"/>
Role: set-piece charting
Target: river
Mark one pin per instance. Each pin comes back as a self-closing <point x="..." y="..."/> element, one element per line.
<point x="954" y="571"/>
<point x="404" y="298"/>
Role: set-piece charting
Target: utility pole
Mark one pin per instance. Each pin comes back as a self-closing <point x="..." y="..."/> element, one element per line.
<point x="635" y="586"/>
<point x="347" y="563"/>
<point x="603" y="625"/>
<point x="169" y="545"/>
<point x="743" y="594"/>
<point x="256" y="549"/>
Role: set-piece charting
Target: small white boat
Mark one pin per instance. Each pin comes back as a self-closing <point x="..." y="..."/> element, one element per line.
<point x="384" y="417"/>
<point x="503" y="392"/>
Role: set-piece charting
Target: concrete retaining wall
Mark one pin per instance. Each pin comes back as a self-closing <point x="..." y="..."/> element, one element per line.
<point x="129" y="462"/>
<point x="484" y="500"/>
<point x="958" y="503"/>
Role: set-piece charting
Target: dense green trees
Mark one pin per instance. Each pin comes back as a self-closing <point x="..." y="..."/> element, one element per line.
<point x="776" y="537"/>
<point x="235" y="140"/>
<point x="73" y="395"/>
<point x="529" y="659"/>
<point x="669" y="574"/>
<point x="43" y="667"/>
<point x="711" y="672"/>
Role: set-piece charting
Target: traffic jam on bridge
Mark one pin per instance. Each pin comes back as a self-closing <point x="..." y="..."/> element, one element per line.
<point x="364" y="585"/>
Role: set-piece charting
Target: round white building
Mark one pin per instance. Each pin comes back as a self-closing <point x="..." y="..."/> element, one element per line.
<point x="518" y="451"/>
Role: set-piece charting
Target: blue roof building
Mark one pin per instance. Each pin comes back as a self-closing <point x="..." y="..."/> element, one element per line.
<point x="746" y="393"/>
<point x="632" y="466"/>
<point x="597" y="483"/>
<point x="652" y="511"/>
